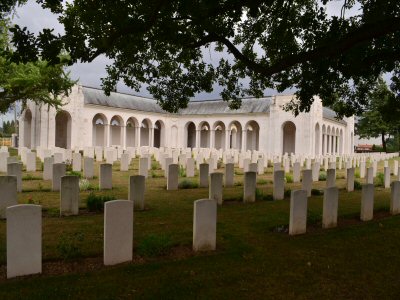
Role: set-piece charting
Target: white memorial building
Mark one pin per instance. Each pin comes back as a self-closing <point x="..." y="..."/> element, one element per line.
<point x="89" y="118"/>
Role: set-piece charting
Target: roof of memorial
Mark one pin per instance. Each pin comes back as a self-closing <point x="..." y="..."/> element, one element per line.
<point x="205" y="107"/>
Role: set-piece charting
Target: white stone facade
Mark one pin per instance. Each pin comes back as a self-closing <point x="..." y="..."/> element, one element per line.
<point x="90" y="119"/>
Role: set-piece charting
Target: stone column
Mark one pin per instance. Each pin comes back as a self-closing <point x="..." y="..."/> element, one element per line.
<point x="136" y="191"/>
<point x="198" y="134"/>
<point x="215" y="187"/>
<point x="123" y="132"/>
<point x="137" y="136"/>
<point x="250" y="184"/>
<point x="244" y="140"/>
<point x="330" y="207"/>
<point x="212" y="138"/>
<point x="151" y="137"/>
<point x="204" y="225"/>
<point x="367" y="202"/>
<point x="227" y="139"/>
<point x="118" y="231"/>
<point x="298" y="212"/>
<point x="24" y="240"/>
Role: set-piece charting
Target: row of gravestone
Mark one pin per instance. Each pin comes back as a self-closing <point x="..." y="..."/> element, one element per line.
<point x="298" y="207"/>
<point x="24" y="234"/>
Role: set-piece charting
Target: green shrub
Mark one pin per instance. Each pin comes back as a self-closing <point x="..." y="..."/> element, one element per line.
<point x="357" y="174"/>
<point x="182" y="171"/>
<point x="154" y="245"/>
<point x="322" y="176"/>
<point x="154" y="165"/>
<point x="74" y="173"/>
<point x="380" y="179"/>
<point x="260" y="196"/>
<point x="70" y="245"/>
<point x="288" y="193"/>
<point x="357" y="185"/>
<point x="238" y="172"/>
<point x="316" y="192"/>
<point x="262" y="181"/>
<point x="85" y="185"/>
<point x="238" y="183"/>
<point x="29" y="177"/>
<point x="96" y="203"/>
<point x="187" y="184"/>
<point x="289" y="178"/>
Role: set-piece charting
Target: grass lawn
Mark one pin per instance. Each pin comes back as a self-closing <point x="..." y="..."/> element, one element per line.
<point x="255" y="257"/>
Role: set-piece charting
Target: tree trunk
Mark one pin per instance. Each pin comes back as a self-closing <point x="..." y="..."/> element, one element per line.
<point x="383" y="142"/>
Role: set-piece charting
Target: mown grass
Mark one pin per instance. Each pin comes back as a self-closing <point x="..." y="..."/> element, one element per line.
<point x="253" y="258"/>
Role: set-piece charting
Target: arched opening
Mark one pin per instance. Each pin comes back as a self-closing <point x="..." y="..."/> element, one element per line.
<point x="219" y="135"/>
<point x="289" y="137"/>
<point x="63" y="130"/>
<point x="158" y="134"/>
<point x="99" y="130"/>
<point x="145" y="132"/>
<point x="191" y="135"/>
<point x="131" y="126"/>
<point x="174" y="136"/>
<point x="317" y="139"/>
<point x="116" y="131"/>
<point x="235" y="139"/>
<point x="27" y="128"/>
<point x="252" y="135"/>
<point x="204" y="135"/>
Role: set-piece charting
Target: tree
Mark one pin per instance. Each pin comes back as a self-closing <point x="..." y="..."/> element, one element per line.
<point x="167" y="45"/>
<point x="382" y="115"/>
<point x="36" y="80"/>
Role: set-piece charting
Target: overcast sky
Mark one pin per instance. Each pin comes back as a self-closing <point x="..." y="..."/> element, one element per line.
<point x="35" y="19"/>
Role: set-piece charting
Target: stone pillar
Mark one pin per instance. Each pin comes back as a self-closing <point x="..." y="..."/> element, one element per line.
<point x="69" y="195"/>
<point x="306" y="183"/>
<point x="350" y="179"/>
<point x="370" y="175"/>
<point x="8" y="192"/>
<point x="212" y="139"/>
<point x="15" y="169"/>
<point x="298" y="212"/>
<point x="362" y="169"/>
<point x="124" y="162"/>
<point x="143" y="166"/>
<point x="204" y="175"/>
<point x="279" y="185"/>
<point x="24" y="240"/>
<point x="315" y="171"/>
<point x="386" y="177"/>
<point x="244" y="140"/>
<point x="250" y="184"/>
<point x="136" y="191"/>
<point x="58" y="172"/>
<point x="118" y="231"/>
<point x="137" y="136"/>
<point x="296" y="172"/>
<point x="88" y="168"/>
<point x="151" y="137"/>
<point x="31" y="161"/>
<point x="76" y="162"/>
<point x="227" y="139"/>
<point x="105" y="177"/>
<point x="190" y="167"/>
<point x="367" y="202"/>
<point x="123" y="144"/>
<point x="198" y="138"/>
<point x="204" y="225"/>
<point x="331" y="178"/>
<point x="330" y="207"/>
<point x="395" y="198"/>
<point x="229" y="174"/>
<point x="172" y="178"/>
<point x="215" y="188"/>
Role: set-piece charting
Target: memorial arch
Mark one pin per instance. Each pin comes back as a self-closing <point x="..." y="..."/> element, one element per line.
<point x="63" y="130"/>
<point x="289" y="137"/>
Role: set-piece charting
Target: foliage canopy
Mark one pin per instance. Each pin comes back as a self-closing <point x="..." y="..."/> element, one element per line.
<point x="178" y="48"/>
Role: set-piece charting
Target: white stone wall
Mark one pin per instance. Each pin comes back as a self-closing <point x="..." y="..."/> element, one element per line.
<point x="174" y="127"/>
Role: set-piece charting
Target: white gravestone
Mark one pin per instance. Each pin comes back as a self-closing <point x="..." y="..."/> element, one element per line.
<point x="8" y="192"/>
<point x="330" y="207"/>
<point x="136" y="191"/>
<point x="204" y="225"/>
<point x="367" y="202"/>
<point x="215" y="188"/>
<point x="69" y="195"/>
<point x="298" y="212"/>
